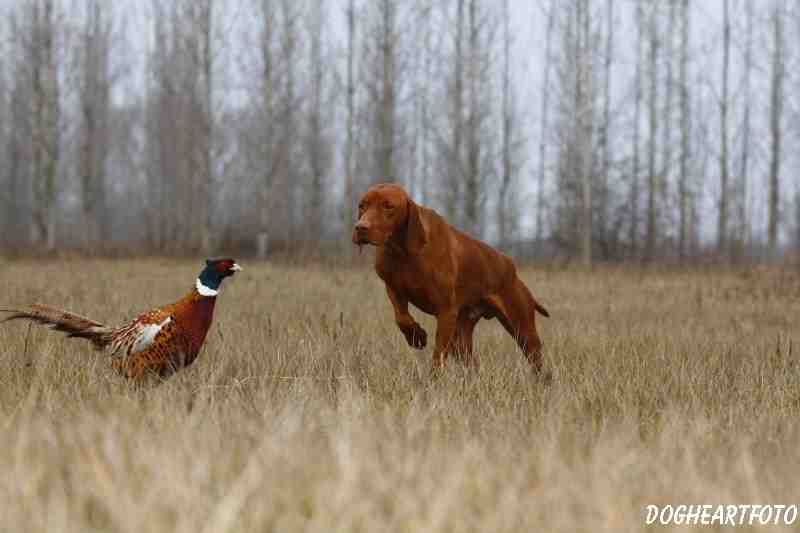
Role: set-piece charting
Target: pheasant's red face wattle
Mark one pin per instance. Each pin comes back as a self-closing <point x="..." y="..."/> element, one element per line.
<point x="224" y="267"/>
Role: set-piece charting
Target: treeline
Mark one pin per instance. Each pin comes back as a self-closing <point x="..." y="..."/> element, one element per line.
<point x="586" y="129"/>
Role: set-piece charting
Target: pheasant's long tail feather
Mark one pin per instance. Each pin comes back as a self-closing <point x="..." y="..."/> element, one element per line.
<point x="64" y="321"/>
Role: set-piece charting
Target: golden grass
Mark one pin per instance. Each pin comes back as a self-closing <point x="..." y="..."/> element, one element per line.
<point x="306" y="411"/>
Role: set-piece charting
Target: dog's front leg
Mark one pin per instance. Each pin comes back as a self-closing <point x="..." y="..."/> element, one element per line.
<point x="413" y="332"/>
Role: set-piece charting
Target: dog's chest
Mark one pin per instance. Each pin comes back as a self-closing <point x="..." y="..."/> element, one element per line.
<point x="418" y="287"/>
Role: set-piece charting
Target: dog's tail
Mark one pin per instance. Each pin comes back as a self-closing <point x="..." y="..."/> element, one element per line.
<point x="531" y="301"/>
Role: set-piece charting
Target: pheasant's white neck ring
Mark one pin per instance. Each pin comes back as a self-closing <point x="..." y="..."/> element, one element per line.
<point x="203" y="290"/>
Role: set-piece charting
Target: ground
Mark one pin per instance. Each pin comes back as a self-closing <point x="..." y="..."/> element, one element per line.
<point x="307" y="411"/>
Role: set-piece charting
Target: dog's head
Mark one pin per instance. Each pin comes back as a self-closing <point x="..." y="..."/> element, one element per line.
<point x="386" y="213"/>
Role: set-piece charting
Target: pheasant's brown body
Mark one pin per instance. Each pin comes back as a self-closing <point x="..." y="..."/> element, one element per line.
<point x="183" y="326"/>
<point x="162" y="340"/>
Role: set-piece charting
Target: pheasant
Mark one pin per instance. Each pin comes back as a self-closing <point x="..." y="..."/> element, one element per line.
<point x="162" y="340"/>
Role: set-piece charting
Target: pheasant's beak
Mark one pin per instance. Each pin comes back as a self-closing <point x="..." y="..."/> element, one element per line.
<point x="236" y="268"/>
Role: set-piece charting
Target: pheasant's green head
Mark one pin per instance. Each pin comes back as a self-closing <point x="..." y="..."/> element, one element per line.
<point x="211" y="277"/>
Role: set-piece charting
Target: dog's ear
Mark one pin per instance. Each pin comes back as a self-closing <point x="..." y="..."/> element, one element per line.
<point x="416" y="236"/>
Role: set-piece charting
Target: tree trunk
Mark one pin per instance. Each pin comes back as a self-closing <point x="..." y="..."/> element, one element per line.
<point x="743" y="225"/>
<point x="665" y="172"/>
<point x="386" y="119"/>
<point x="427" y="73"/>
<point x="349" y="192"/>
<point x="472" y="185"/>
<point x="585" y="110"/>
<point x="544" y="126"/>
<point x="270" y="161"/>
<point x="317" y="149"/>
<point x="776" y="136"/>
<point x="722" y="221"/>
<point x="652" y="177"/>
<point x="637" y="118"/>
<point x="44" y="133"/>
<point x="683" y="180"/>
<point x="503" y="211"/>
<point x="457" y="119"/>
<point x="602" y="223"/>
<point x="207" y="125"/>
<point x="288" y="119"/>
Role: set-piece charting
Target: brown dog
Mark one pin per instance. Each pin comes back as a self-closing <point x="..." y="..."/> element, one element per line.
<point x="446" y="273"/>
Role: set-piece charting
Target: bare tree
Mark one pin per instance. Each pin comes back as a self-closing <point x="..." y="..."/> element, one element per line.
<point x="419" y="64"/>
<point x="318" y="154"/>
<point x="265" y="134"/>
<point x="797" y="220"/>
<point x="776" y="136"/>
<point x="652" y="175"/>
<point x="159" y="223"/>
<point x="39" y="48"/>
<point x="7" y="220"/>
<point x="575" y="129"/>
<point x="453" y="147"/>
<point x="722" y="221"/>
<point x="510" y="143"/>
<point x="543" y="130"/>
<point x="605" y="131"/>
<point x="634" y="194"/>
<point x="95" y="104"/>
<point x="477" y="113"/>
<point x="425" y="97"/>
<point x="349" y="150"/>
<point x="287" y="115"/>
<point x="743" y="224"/>
<point x="665" y="169"/>
<point x="204" y="20"/>
<point x="584" y="108"/>
<point x="385" y="36"/>
<point x="683" y="179"/>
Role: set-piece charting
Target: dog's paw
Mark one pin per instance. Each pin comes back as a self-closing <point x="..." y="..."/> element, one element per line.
<point x="416" y="337"/>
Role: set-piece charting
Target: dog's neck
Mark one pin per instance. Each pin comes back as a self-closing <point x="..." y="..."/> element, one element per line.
<point x="395" y="246"/>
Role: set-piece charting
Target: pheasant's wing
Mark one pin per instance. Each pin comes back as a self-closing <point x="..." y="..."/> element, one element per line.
<point x="148" y="343"/>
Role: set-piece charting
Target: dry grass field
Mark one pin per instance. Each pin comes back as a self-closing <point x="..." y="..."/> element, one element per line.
<point x="306" y="410"/>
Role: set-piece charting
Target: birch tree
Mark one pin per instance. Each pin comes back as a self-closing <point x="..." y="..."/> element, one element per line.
<point x="584" y="108"/>
<point x="575" y="129"/>
<point x="349" y="146"/>
<point x="743" y="223"/>
<point x="39" y="47"/>
<point x="95" y="104"/>
<point x="605" y="130"/>
<point x="318" y="154"/>
<point x="510" y="143"/>
<point x="633" y="237"/>
<point x="544" y="126"/>
<point x="684" y="195"/>
<point x="776" y="133"/>
<point x="652" y="176"/>
<point x="452" y="141"/>
<point x="722" y="221"/>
